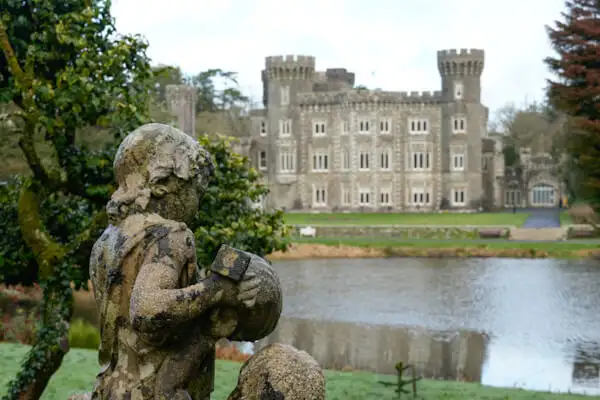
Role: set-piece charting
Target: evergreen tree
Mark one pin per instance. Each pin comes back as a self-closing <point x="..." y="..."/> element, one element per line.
<point x="576" y="90"/>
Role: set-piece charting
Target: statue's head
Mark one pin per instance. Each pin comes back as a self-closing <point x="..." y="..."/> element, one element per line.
<point x="159" y="169"/>
<point x="248" y="324"/>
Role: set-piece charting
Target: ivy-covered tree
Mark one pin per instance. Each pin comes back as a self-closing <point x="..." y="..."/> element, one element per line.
<point x="576" y="40"/>
<point x="64" y="68"/>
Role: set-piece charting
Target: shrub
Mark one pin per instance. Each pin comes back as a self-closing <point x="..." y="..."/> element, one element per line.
<point x="84" y="335"/>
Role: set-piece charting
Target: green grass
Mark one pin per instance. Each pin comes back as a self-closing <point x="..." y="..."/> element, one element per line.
<point x="80" y="367"/>
<point x="496" y="218"/>
<point x="565" y="218"/>
<point x="563" y="249"/>
<point x="378" y="242"/>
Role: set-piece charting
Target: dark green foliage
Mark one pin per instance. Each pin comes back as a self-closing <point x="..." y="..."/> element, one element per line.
<point x="511" y="156"/>
<point x="576" y="40"/>
<point x="17" y="263"/>
<point x="227" y="213"/>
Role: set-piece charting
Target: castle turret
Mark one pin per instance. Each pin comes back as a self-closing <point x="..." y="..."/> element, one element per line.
<point x="181" y="102"/>
<point x="291" y="74"/>
<point x="461" y="74"/>
<point x="464" y="121"/>
<point x="283" y="78"/>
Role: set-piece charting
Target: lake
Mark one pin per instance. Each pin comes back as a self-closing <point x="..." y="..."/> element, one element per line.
<point x="502" y="322"/>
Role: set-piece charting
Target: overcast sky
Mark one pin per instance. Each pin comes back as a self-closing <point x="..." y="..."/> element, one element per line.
<point x="389" y="44"/>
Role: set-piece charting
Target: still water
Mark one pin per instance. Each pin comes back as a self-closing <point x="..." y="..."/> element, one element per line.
<point x="504" y="322"/>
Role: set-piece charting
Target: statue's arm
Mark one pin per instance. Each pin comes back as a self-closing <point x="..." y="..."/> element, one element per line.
<point x="157" y="301"/>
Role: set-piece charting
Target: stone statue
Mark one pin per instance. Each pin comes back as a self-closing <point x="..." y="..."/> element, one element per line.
<point x="160" y="315"/>
<point x="280" y="372"/>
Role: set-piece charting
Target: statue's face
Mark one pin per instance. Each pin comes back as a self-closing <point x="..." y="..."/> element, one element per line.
<point x="175" y="199"/>
<point x="131" y="196"/>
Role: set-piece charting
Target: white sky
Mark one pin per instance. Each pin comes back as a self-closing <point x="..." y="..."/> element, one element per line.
<point x="389" y="44"/>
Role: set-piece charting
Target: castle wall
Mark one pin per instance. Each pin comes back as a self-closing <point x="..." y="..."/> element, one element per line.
<point x="406" y="170"/>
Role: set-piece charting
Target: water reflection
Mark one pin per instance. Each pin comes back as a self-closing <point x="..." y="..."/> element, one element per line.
<point x="537" y="312"/>
<point x="586" y="365"/>
<point x="377" y="348"/>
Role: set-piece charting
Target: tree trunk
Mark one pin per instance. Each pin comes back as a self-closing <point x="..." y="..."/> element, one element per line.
<point x="53" y="356"/>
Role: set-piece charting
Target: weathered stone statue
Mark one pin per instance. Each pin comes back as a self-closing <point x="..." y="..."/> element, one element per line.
<point x="160" y="314"/>
<point x="280" y="372"/>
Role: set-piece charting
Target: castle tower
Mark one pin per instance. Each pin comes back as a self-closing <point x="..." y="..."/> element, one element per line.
<point x="181" y="102"/>
<point x="464" y="124"/>
<point x="283" y="78"/>
<point x="461" y="74"/>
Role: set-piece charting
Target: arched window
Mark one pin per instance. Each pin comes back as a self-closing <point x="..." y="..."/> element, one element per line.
<point x="543" y="195"/>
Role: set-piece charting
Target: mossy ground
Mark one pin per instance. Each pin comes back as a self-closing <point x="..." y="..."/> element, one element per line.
<point x="79" y="368"/>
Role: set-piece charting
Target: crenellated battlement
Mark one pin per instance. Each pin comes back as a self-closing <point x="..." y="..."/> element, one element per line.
<point x="472" y="53"/>
<point x="290" y="66"/>
<point x="461" y="62"/>
<point x="290" y="61"/>
<point x="369" y="96"/>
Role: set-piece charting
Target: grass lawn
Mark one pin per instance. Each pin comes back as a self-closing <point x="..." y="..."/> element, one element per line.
<point x="80" y="366"/>
<point x="424" y="243"/>
<point x="563" y="249"/>
<point x="496" y="218"/>
<point x="565" y="219"/>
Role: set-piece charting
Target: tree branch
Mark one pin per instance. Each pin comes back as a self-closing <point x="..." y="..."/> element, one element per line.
<point x="46" y="250"/>
<point x="28" y="114"/>
<point x="11" y="59"/>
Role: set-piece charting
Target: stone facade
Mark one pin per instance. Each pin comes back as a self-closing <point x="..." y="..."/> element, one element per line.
<point x="325" y="145"/>
<point x="534" y="182"/>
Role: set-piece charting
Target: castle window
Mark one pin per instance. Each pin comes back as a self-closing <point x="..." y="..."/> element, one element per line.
<point x="459" y="125"/>
<point x="346" y="127"/>
<point x="363" y="161"/>
<point x="285" y="95"/>
<point x="287" y="162"/>
<point x="459" y="197"/>
<point x="512" y="198"/>
<point x="384" y="161"/>
<point x="320" y="161"/>
<point x="484" y="162"/>
<point x="385" y="126"/>
<point x="319" y="128"/>
<point x="263" y="128"/>
<point x="363" y="127"/>
<point x="458" y="90"/>
<point x="285" y="127"/>
<point x="421" y="161"/>
<point x="385" y="197"/>
<point x="345" y="159"/>
<point x="346" y="198"/>
<point x="320" y="196"/>
<point x="262" y="160"/>
<point x="364" y="196"/>
<point x="419" y="197"/>
<point x="458" y="162"/>
<point x="418" y="126"/>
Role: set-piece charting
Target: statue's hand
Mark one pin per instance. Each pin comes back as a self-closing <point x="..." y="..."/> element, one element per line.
<point x="229" y="290"/>
<point x="248" y="289"/>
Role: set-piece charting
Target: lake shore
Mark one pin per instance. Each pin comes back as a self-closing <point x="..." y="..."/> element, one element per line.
<point x="79" y="368"/>
<point x="322" y="248"/>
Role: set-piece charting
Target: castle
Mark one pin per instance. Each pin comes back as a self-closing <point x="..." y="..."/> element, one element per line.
<point x="323" y="144"/>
